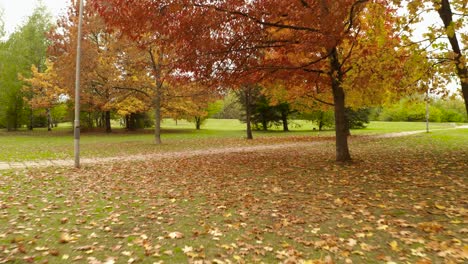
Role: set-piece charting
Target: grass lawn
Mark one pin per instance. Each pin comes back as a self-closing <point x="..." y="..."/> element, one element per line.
<point x="58" y="144"/>
<point x="403" y="200"/>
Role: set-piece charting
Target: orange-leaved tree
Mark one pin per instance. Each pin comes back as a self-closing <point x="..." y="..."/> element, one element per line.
<point x="99" y="71"/>
<point x="304" y="43"/>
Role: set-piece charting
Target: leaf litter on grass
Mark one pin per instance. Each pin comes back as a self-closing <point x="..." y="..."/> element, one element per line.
<point x="396" y="205"/>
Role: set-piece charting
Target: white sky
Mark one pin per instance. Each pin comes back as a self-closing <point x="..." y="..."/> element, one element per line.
<point x="15" y="12"/>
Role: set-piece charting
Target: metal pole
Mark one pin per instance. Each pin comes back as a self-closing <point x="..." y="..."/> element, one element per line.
<point x="77" y="89"/>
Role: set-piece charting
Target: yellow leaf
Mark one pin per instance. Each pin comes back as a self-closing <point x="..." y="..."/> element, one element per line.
<point x="394" y="245"/>
<point x="65" y="238"/>
<point x="439" y="206"/>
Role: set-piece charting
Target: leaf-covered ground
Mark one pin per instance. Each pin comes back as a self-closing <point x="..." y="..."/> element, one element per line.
<point x="403" y="200"/>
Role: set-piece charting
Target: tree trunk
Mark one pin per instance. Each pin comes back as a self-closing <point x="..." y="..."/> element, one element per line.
<point x="157" y="118"/>
<point x="198" y="123"/>
<point x="108" y="122"/>
<point x="465" y="92"/>
<point x="284" y="117"/>
<point x="341" y="127"/>
<point x="320" y="124"/>
<point x="156" y="64"/>
<point x="31" y="120"/>
<point x="90" y="120"/>
<point x="446" y="14"/>
<point x="264" y="123"/>
<point x="49" y="120"/>
<point x="248" y="112"/>
<point x="347" y="119"/>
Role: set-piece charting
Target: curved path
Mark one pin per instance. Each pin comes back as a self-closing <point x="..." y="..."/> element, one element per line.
<point x="183" y="154"/>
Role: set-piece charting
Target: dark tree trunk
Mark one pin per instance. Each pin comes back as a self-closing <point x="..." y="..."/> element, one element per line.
<point x="284" y="117"/>
<point x="341" y="127"/>
<point x="108" y="122"/>
<point x="348" y="124"/>
<point x="446" y="14"/>
<point x="465" y="92"/>
<point x="157" y="118"/>
<point x="321" y="121"/>
<point x="198" y="122"/>
<point x="156" y="64"/>
<point x="49" y="120"/>
<point x="248" y="111"/>
<point x="31" y="120"/>
<point x="264" y="123"/>
<point x="90" y="120"/>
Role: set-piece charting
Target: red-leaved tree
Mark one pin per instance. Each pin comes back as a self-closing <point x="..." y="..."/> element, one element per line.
<point x="303" y="43"/>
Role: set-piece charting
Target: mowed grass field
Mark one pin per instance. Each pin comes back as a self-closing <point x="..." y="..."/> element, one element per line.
<point x="58" y="144"/>
<point x="402" y="200"/>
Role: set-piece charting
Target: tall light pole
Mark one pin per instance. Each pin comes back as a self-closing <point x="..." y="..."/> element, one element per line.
<point x="77" y="90"/>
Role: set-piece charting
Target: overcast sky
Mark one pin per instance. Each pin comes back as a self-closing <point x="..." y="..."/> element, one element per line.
<point x="15" y="12"/>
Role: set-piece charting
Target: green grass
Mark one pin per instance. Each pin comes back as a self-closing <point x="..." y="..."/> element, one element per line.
<point x="58" y="144"/>
<point x="378" y="127"/>
<point x="247" y="207"/>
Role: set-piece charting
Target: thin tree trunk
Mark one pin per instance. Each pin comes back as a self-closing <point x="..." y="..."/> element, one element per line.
<point x="198" y="123"/>
<point x="248" y="112"/>
<point x="108" y="122"/>
<point x="156" y="64"/>
<point x="157" y="118"/>
<point x="31" y="120"/>
<point x="90" y="120"/>
<point x="341" y="128"/>
<point x="49" y="120"/>
<point x="264" y="123"/>
<point x="284" y="117"/>
<point x="321" y="120"/>
<point x="446" y="14"/>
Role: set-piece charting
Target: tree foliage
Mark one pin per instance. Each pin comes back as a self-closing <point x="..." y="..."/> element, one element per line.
<point x="335" y="48"/>
<point x="445" y="43"/>
<point x="25" y="47"/>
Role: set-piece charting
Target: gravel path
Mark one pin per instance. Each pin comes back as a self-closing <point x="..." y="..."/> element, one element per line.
<point x="182" y="154"/>
<point x="154" y="156"/>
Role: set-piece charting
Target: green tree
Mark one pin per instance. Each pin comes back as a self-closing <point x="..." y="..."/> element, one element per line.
<point x="27" y="46"/>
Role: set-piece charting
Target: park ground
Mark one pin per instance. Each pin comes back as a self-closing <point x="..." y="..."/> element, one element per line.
<point x="402" y="199"/>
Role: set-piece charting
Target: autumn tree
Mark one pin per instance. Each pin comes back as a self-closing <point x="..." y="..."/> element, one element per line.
<point x="100" y="50"/>
<point x="43" y="90"/>
<point x="160" y="55"/>
<point x="306" y="43"/>
<point x="445" y="42"/>
<point x="191" y="101"/>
